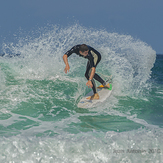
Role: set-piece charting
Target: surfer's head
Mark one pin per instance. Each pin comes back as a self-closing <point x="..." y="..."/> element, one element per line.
<point x="83" y="50"/>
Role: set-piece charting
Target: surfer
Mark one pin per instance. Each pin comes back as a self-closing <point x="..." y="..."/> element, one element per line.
<point x="94" y="58"/>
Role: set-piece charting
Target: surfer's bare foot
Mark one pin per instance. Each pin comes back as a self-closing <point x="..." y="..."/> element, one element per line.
<point x="107" y="86"/>
<point x="104" y="86"/>
<point x="94" y="97"/>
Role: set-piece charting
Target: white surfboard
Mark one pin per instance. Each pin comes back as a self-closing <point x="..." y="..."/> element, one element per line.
<point x="104" y="93"/>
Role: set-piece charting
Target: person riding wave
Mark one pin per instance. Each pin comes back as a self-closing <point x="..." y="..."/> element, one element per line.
<point x="94" y="58"/>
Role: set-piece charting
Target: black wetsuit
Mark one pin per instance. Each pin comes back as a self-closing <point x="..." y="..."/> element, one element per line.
<point x="94" y="58"/>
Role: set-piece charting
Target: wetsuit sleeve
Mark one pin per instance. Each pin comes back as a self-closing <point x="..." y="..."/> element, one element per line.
<point x="72" y="50"/>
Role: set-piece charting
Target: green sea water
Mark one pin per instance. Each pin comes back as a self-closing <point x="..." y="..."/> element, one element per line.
<point x="39" y="117"/>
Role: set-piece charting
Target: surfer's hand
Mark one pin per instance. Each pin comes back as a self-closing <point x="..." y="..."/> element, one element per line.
<point x="89" y="84"/>
<point x="67" y="68"/>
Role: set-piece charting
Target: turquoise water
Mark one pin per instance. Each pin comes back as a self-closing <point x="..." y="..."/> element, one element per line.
<point x="39" y="117"/>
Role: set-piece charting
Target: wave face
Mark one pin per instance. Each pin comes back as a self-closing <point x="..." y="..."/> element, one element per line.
<point x="127" y="59"/>
<point x="39" y="118"/>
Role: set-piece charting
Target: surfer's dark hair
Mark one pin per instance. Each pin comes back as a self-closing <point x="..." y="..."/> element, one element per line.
<point x="83" y="48"/>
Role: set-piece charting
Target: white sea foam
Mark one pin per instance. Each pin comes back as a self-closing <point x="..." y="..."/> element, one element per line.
<point x="127" y="59"/>
<point x="142" y="145"/>
<point x="38" y="99"/>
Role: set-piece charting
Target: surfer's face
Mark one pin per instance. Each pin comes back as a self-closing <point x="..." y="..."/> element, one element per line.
<point x="85" y="53"/>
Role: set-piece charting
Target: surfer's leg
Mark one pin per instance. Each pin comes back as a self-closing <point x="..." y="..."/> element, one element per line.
<point x="87" y="74"/>
<point x="94" y="86"/>
<point x="99" y="79"/>
<point x="95" y="96"/>
<point x="96" y="77"/>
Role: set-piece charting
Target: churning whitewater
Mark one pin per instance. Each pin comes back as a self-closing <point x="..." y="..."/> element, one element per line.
<point x="39" y="117"/>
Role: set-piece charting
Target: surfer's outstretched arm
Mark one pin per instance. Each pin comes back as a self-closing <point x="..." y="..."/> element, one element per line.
<point x="67" y="68"/>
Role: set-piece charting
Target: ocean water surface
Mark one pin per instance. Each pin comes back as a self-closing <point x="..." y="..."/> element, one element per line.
<point x="39" y="117"/>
